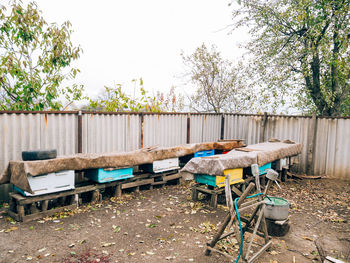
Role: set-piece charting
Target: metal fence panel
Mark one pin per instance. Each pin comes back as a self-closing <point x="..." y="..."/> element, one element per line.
<point x="205" y="128"/>
<point x="242" y="127"/>
<point x="110" y="132"/>
<point x="332" y="151"/>
<point x="21" y="132"/>
<point x="211" y="128"/>
<point x="342" y="150"/>
<point x="164" y="129"/>
<point x="59" y="131"/>
<point x="122" y="132"/>
<point x="196" y="125"/>
<point x="291" y="128"/>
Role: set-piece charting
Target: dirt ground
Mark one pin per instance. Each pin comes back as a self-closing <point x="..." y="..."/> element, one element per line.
<point x="164" y="225"/>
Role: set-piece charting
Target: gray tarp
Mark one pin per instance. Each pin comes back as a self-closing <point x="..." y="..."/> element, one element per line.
<point x="260" y="153"/>
<point x="17" y="171"/>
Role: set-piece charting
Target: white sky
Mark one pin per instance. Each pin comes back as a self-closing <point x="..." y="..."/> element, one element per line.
<point x="123" y="40"/>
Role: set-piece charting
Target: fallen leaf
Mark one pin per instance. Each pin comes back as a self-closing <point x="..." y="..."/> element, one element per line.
<point x="308" y="238"/>
<point x="106" y="244"/>
<point x="150" y="252"/>
<point x="42" y="249"/>
<point x="12" y="228"/>
<point x="116" y="229"/>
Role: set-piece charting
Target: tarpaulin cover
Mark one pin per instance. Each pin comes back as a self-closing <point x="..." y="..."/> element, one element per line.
<point x="16" y="172"/>
<point x="260" y="154"/>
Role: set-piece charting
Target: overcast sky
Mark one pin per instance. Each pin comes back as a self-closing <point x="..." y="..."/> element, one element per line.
<point x="124" y="40"/>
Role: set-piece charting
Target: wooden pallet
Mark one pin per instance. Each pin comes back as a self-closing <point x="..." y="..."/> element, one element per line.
<point x="150" y="180"/>
<point x="28" y="208"/>
<point x="166" y="177"/>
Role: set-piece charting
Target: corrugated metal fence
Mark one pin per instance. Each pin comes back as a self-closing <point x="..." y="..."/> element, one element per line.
<point x="327" y="141"/>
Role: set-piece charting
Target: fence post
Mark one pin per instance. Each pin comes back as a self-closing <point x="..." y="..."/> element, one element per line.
<point x="222" y="131"/>
<point x="188" y="134"/>
<point x="311" y="140"/>
<point x="263" y="127"/>
<point x="80" y="141"/>
<point x="141" y="127"/>
<point x="80" y="132"/>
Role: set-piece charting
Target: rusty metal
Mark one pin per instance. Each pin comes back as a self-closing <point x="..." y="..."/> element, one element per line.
<point x="142" y="124"/>
<point x="188" y="128"/>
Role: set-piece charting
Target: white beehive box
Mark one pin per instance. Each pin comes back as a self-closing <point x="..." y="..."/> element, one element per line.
<point x="163" y="165"/>
<point x="50" y="183"/>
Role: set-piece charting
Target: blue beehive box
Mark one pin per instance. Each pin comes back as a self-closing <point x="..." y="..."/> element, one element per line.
<point x="263" y="169"/>
<point x="204" y="153"/>
<point x="102" y="175"/>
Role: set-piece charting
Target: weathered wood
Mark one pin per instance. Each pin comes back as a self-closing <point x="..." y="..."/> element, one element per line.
<point x="250" y="206"/>
<point x="118" y="190"/>
<point x="171" y="177"/>
<point x="220" y="252"/>
<point x="44" y="205"/>
<point x="14" y="215"/>
<point x="31" y="199"/>
<point x="137" y="183"/>
<point x="261" y="213"/>
<point x="236" y="190"/>
<point x="20" y="211"/>
<point x="218" y="234"/>
<point x="164" y="174"/>
<point x="49" y="212"/>
<point x="214" y="200"/>
<point x="12" y="204"/>
<point x="228" y="219"/>
<point x="257" y="254"/>
<point x="95" y="195"/>
<point x="194" y="194"/>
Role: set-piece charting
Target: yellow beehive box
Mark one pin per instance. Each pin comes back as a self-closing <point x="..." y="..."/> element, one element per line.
<point x="236" y="176"/>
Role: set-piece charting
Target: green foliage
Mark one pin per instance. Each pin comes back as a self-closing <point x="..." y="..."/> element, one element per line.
<point x="116" y="100"/>
<point x="35" y="59"/>
<point x="219" y="87"/>
<point x="301" y="51"/>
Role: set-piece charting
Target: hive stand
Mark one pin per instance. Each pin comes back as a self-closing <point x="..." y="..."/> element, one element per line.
<point x="258" y="230"/>
<point x="28" y="208"/>
<point x="213" y="193"/>
<point x="33" y="207"/>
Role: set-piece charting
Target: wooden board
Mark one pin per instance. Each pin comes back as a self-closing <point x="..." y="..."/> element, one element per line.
<point x="31" y="199"/>
<point x="42" y="214"/>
